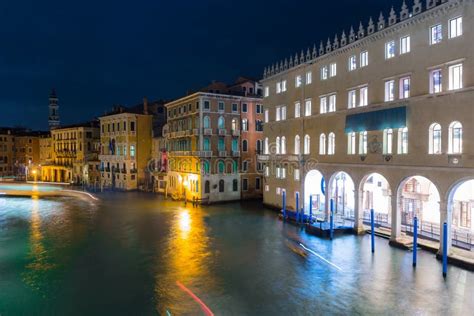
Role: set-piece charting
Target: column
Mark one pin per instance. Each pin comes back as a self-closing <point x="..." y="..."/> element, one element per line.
<point x="358" y="209"/>
<point x="445" y="216"/>
<point x="396" y="218"/>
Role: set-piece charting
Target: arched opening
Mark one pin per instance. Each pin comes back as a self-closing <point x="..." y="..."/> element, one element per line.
<point x="342" y="193"/>
<point x="461" y="206"/>
<point x="313" y="187"/>
<point x="419" y="197"/>
<point x="221" y="186"/>
<point x="376" y="195"/>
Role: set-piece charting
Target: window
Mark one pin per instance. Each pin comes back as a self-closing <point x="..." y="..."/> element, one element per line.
<point x="307" y="144"/>
<point x="352" y="63"/>
<point x="278" y="113"/>
<point x="266" y="147"/>
<point x="363" y="143"/>
<point x="245" y="146"/>
<point x="267" y="171"/>
<point x="455" y="138"/>
<point x="332" y="103"/>
<point x="331" y="144"/>
<point x="132" y="126"/>
<point x="258" y="126"/>
<point x="267" y="188"/>
<point x="364" y="59"/>
<point x="266" y="92"/>
<point x="297" y="174"/>
<point x="351" y="99"/>
<point x="364" y="96"/>
<point x="277" y="145"/>
<point x="333" y="71"/>
<point x="259" y="145"/>
<point x="221" y="184"/>
<point x="323" y="106"/>
<point x="405" y="45"/>
<point x="235" y="145"/>
<point x="436" y="81"/>
<point x="221" y="167"/>
<point x="221" y="144"/>
<point x="322" y="144"/>
<point x="389" y="90"/>
<point x="351" y="143"/>
<point x="283" y="113"/>
<point x="221" y="122"/>
<point x="403" y="141"/>
<point x="309" y="77"/>
<point x="283" y="173"/>
<point x="245" y="165"/>
<point x="132" y="151"/>
<point x="435" y="139"/>
<point x="390" y="50"/>
<point x="207" y="187"/>
<point x="245" y="125"/>
<point x="235" y="107"/>
<point x="259" y="109"/>
<point x="221" y="106"/>
<point x="234" y="124"/>
<point x="267" y="116"/>
<point x="297" y="145"/>
<point x="283" y="145"/>
<point x="283" y="86"/>
<point x="207" y="122"/>
<point x="405" y="88"/>
<point x="297" y="109"/>
<point x="207" y="105"/>
<point x="257" y="184"/>
<point x="307" y="108"/>
<point x="298" y="81"/>
<point x="455" y="27"/>
<point x="436" y="34"/>
<point x="245" y="185"/>
<point x="278" y="87"/>
<point x="244" y="107"/>
<point x="455" y="77"/>
<point x="324" y="72"/>
<point x="387" y="141"/>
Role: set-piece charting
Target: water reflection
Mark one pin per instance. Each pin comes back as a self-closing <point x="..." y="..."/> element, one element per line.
<point x="186" y="259"/>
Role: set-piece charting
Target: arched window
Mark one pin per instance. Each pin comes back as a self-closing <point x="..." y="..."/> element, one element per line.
<point x="207" y="122"/>
<point x="245" y="125"/>
<point x="322" y="144"/>
<point x="455" y="138"/>
<point x="297" y="145"/>
<point x="403" y="141"/>
<point x="221" y="167"/>
<point x="331" y="144"/>
<point x="277" y="147"/>
<point x="387" y="141"/>
<point x="307" y="144"/>
<point x="207" y="144"/>
<point x="266" y="147"/>
<point x="221" y="122"/>
<point x="283" y="145"/>
<point x="245" y="146"/>
<point x="434" y="139"/>
<point x="221" y="186"/>
<point x="234" y="124"/>
<point x="234" y="166"/>
<point x="235" y="185"/>
<point x="363" y="143"/>
<point x="206" y="167"/>
<point x="351" y="143"/>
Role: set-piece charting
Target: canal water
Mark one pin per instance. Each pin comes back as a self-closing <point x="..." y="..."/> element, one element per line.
<point x="136" y="254"/>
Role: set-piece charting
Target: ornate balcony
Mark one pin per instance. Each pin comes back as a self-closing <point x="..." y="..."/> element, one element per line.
<point x="235" y="133"/>
<point x="222" y="132"/>
<point x="222" y="153"/>
<point x="208" y="131"/>
<point x="235" y="153"/>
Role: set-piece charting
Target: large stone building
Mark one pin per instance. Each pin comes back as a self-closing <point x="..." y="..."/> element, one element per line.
<point x="213" y="136"/>
<point x="7" y="153"/>
<point x="380" y="117"/>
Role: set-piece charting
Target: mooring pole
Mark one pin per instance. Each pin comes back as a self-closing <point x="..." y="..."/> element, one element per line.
<point x="297" y="202"/>
<point x="310" y="208"/>
<point x="331" y="221"/>
<point x="372" y="229"/>
<point x="415" y="240"/>
<point x="284" y="205"/>
<point x="445" y="249"/>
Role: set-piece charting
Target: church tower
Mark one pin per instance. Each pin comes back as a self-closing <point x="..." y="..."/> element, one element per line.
<point x="53" y="119"/>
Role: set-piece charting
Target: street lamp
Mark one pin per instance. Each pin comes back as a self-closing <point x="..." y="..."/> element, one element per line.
<point x="34" y="172"/>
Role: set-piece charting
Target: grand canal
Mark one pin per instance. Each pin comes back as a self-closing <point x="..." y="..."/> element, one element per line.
<point x="136" y="254"/>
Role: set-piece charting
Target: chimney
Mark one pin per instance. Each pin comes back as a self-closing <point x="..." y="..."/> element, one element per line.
<point x="145" y="106"/>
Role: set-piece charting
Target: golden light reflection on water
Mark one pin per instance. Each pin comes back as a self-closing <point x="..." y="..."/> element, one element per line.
<point x="187" y="260"/>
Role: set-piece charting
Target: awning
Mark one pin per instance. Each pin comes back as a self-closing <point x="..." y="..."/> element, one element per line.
<point x="377" y="120"/>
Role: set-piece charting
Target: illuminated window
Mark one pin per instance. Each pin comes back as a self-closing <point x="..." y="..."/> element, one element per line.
<point x="283" y="145"/>
<point x="307" y="144"/>
<point x="297" y="145"/>
<point x="405" y="45"/>
<point x="298" y="81"/>
<point x="364" y="59"/>
<point x="266" y="92"/>
<point x="405" y="88"/>
<point x="390" y="50"/>
<point x="387" y="141"/>
<point x="332" y="103"/>
<point x="351" y="99"/>
<point x="324" y="72"/>
<point x="132" y="151"/>
<point x="436" y="34"/>
<point x="309" y="77"/>
<point x="389" y="90"/>
<point x="403" y="141"/>
<point x="436" y="81"/>
<point x="297" y="109"/>
<point x="455" y="138"/>
<point x="323" y="105"/>
<point x="322" y="144"/>
<point x="363" y="143"/>
<point x="435" y="139"/>
<point x="307" y="108"/>
<point x="351" y="143"/>
<point x="364" y="96"/>
<point x="331" y="144"/>
<point x="352" y="63"/>
<point x="333" y="70"/>
<point x="455" y="77"/>
<point x="455" y="27"/>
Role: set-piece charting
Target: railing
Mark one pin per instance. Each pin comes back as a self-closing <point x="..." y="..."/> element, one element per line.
<point x="235" y="153"/>
<point x="235" y="133"/>
<point x="222" y="153"/>
<point x="222" y="131"/>
<point x="208" y="131"/>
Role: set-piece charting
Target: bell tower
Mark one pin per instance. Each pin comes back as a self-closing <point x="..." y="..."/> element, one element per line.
<point x="53" y="119"/>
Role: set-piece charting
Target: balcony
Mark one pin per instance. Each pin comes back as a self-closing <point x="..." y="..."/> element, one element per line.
<point x="196" y="132"/>
<point x="263" y="157"/>
<point x="202" y="154"/>
<point x="222" y="153"/>
<point x="222" y="131"/>
<point x="235" y="153"/>
<point x="235" y="133"/>
<point x="208" y="131"/>
<point x="180" y="153"/>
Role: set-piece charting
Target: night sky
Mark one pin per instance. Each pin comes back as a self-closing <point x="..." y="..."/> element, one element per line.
<point x="100" y="53"/>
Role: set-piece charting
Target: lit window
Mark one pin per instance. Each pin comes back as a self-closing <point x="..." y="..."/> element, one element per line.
<point x="364" y="96"/>
<point x="324" y="73"/>
<point x="387" y="141"/>
<point x="283" y="145"/>
<point x="351" y="99"/>
<point x="390" y="50"/>
<point x="455" y="27"/>
<point x="332" y="103"/>
<point x="352" y="63"/>
<point x="389" y="90"/>
<point x="245" y="125"/>
<point x="309" y="77"/>
<point x="436" y="81"/>
<point x="267" y="188"/>
<point x="364" y="59"/>
<point x="403" y="141"/>
<point x="307" y="108"/>
<point x="351" y="143"/>
<point x="297" y="145"/>
<point x="436" y="34"/>
<point x="297" y="109"/>
<point x="331" y="144"/>
<point x="307" y="144"/>
<point x="322" y="144"/>
<point x="267" y="116"/>
<point x="323" y="107"/>
<point x="278" y="113"/>
<point x="278" y="87"/>
<point x="132" y="151"/>
<point x="455" y="77"/>
<point x="277" y="146"/>
<point x="283" y="113"/>
<point x="405" y="88"/>
<point x="283" y="86"/>
<point x="435" y="139"/>
<point x="267" y="92"/>
<point x="297" y="174"/>
<point x="405" y="45"/>
<point x="266" y="148"/>
<point x="333" y="71"/>
<point x="298" y="81"/>
<point x="455" y="138"/>
<point x="363" y="143"/>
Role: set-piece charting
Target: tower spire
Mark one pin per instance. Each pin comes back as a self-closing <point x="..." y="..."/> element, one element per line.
<point x="53" y="119"/>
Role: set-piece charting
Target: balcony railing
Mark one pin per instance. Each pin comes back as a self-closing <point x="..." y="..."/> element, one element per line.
<point x="235" y="133"/>
<point x="222" y="153"/>
<point x="222" y="131"/>
<point x="235" y="153"/>
<point x="208" y="131"/>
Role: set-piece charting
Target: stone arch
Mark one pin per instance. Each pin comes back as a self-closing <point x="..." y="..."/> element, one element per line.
<point x="375" y="193"/>
<point x="313" y="187"/>
<point x="342" y="188"/>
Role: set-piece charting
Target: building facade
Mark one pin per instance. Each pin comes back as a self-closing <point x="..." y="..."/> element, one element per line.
<point x="212" y="137"/>
<point x="368" y="121"/>
<point x="6" y="153"/>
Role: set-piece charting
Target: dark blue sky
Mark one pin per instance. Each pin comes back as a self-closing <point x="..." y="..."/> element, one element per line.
<point x="100" y="53"/>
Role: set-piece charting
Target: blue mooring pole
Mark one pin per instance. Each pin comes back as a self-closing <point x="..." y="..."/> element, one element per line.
<point x="297" y="203"/>
<point x="415" y="239"/>
<point x="310" y="208"/>
<point x="445" y="249"/>
<point x="372" y="229"/>
<point x="284" y="205"/>
<point x="331" y="221"/>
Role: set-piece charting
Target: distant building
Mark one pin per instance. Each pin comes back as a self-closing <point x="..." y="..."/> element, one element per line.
<point x="213" y="136"/>
<point x="27" y="154"/>
<point x="53" y="118"/>
<point x="7" y="152"/>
